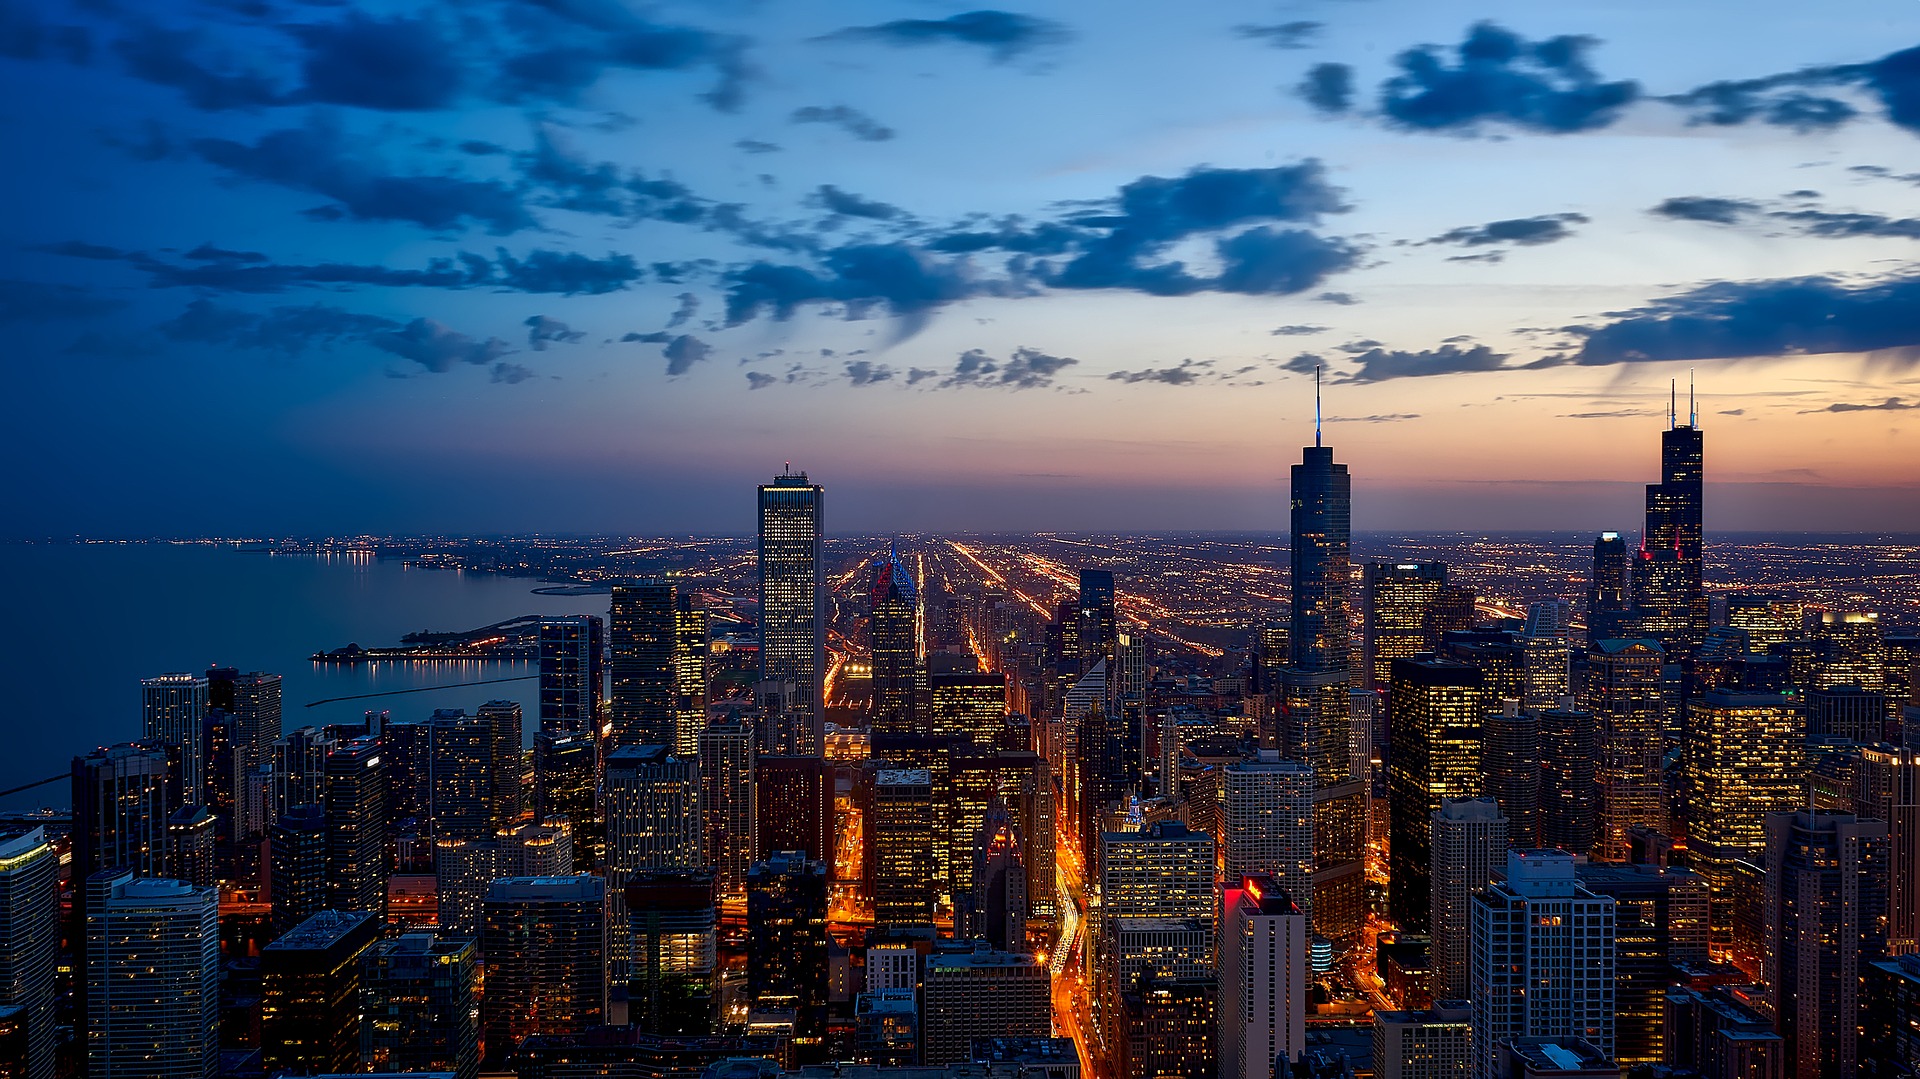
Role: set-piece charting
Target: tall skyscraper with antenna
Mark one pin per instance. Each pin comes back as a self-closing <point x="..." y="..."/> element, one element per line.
<point x="1668" y="581"/>
<point x="1321" y="633"/>
<point x="894" y="607"/>
<point x="793" y="623"/>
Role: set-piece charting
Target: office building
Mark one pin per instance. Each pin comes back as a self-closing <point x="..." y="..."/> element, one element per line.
<point x="1659" y="924"/>
<point x="793" y="622"/>
<point x="1767" y="619"/>
<point x="1826" y="919"/>
<point x="536" y="850"/>
<point x="1510" y="760"/>
<point x="1623" y="692"/>
<point x="1548" y="655"/>
<point x="1432" y="1043"/>
<point x="1608" y="599"/>
<point x="544" y="940"/>
<point x="652" y="810"/>
<point x="570" y="672"/>
<point x="1891" y="1041"/>
<point x="30" y="945"/>
<point x="419" y="995"/>
<point x="1720" y="1031"/>
<point x="461" y="780"/>
<point x="997" y="906"/>
<point x="1320" y="543"/>
<point x="251" y="702"/>
<point x="1263" y="980"/>
<point x="673" y="979"/>
<point x="906" y="873"/>
<point x="1165" y="870"/>
<point x="1569" y="799"/>
<point x="787" y="934"/>
<point x="1171" y="1027"/>
<point x="1745" y="757"/>
<point x="1267" y="822"/>
<point x="1853" y="650"/>
<point x="1316" y="724"/>
<point x="1542" y="961"/>
<point x="803" y="789"/>
<point x="463" y="870"/>
<point x="174" y="710"/>
<point x="121" y="802"/>
<point x="297" y="866"/>
<point x="1435" y="715"/>
<point x="1098" y="617"/>
<point x="565" y="786"/>
<point x="691" y="649"/>
<point x="298" y="773"/>
<point x="357" y="826"/>
<point x="641" y="636"/>
<point x="1846" y="714"/>
<point x="893" y="606"/>
<point x="190" y="846"/>
<point x="729" y="804"/>
<point x="1669" y="590"/>
<point x="1469" y="850"/>
<point x="506" y="764"/>
<point x="887" y="1027"/>
<point x="1889" y="790"/>
<point x="1397" y="608"/>
<point x="981" y="994"/>
<point x="969" y="707"/>
<point x="310" y="994"/>
<point x="152" y="1004"/>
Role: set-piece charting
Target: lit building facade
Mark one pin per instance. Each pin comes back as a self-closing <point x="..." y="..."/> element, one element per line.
<point x="793" y="624"/>
<point x="1435" y="715"/>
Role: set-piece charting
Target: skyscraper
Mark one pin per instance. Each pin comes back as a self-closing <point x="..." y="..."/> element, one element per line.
<point x="570" y="672"/>
<point x="564" y="785"/>
<point x="1608" y="602"/>
<point x="418" y="993"/>
<point x="673" y="979"/>
<point x="787" y="933"/>
<point x="1826" y="919"/>
<point x="802" y="788"/>
<point x="1435" y="715"/>
<point x="297" y="866"/>
<point x="1766" y="618"/>
<point x="462" y="775"/>
<point x="153" y="978"/>
<point x="1543" y="961"/>
<point x="1855" y="650"/>
<point x="545" y="943"/>
<point x="981" y="994"/>
<point x="999" y="905"/>
<point x="30" y="941"/>
<point x="1320" y="541"/>
<point x="174" y="707"/>
<point x="1670" y="599"/>
<point x="900" y="831"/>
<point x="1623" y="693"/>
<point x="1397" y="601"/>
<point x="357" y="826"/>
<point x="1569" y="802"/>
<point x="793" y="624"/>
<point x="253" y="701"/>
<point x="1469" y="850"/>
<point x="729" y="804"/>
<point x="893" y="605"/>
<point x="1510" y="761"/>
<point x="506" y="770"/>
<point x="970" y="707"/>
<point x="310" y="994"/>
<point x="1099" y="618"/>
<point x="690" y="651"/>
<point x="1267" y="823"/>
<point x="652" y="811"/>
<point x="1660" y="921"/>
<point x="642" y="636"/>
<point x="121" y="802"/>
<point x="1263" y="980"/>
<point x="1745" y="757"/>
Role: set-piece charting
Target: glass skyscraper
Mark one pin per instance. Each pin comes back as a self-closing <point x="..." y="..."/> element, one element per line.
<point x="894" y="605"/>
<point x="1670" y="598"/>
<point x="793" y="624"/>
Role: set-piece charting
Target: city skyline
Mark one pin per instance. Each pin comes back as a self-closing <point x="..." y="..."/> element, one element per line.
<point x="1048" y="268"/>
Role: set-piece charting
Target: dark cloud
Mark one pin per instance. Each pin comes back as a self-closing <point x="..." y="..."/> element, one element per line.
<point x="1614" y="414"/>
<point x="1013" y="234"/>
<point x="1733" y="412"/>
<point x="540" y="271"/>
<point x="1297" y="330"/>
<point x="481" y="147"/>
<point x="865" y="373"/>
<point x="1830" y="224"/>
<point x="318" y="158"/>
<point x="1497" y="77"/>
<point x="917" y="375"/>
<point x="1699" y="208"/>
<point x="756" y="146"/>
<point x="1737" y="320"/>
<point x="757" y="380"/>
<point x="289" y="330"/>
<point x="25" y="36"/>
<point x="397" y="64"/>
<point x="1891" y="404"/>
<point x="209" y="253"/>
<point x="1342" y="299"/>
<point x="683" y="352"/>
<point x="1003" y="33"/>
<point x="1306" y="363"/>
<point x="1779" y="100"/>
<point x="568" y="273"/>
<point x="1028" y="369"/>
<point x="655" y="338"/>
<point x="1266" y="261"/>
<point x="511" y="374"/>
<point x="867" y="279"/>
<point x="1286" y="35"/>
<point x="848" y="119"/>
<point x="1185" y="373"/>
<point x="38" y="301"/>
<point x="1379" y="365"/>
<point x="436" y="347"/>
<point x="1328" y="88"/>
<point x="542" y="331"/>
<point x="689" y="306"/>
<point x="207" y="77"/>
<point x="566" y="45"/>
<point x="835" y="201"/>
<point x="1544" y="229"/>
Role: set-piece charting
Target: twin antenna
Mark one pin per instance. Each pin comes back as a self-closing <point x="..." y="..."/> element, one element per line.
<point x="1673" y="403"/>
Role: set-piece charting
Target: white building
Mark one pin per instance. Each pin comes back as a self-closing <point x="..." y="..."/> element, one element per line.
<point x="1543" y="959"/>
<point x="1266" y="810"/>
<point x="1263" y="980"/>
<point x="1469" y="850"/>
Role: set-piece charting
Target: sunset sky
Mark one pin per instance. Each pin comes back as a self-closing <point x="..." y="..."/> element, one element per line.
<point x="584" y="265"/>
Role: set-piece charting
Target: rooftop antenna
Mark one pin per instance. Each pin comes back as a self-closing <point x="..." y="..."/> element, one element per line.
<point x="1693" y="408"/>
<point x="1673" y="404"/>
<point x="1316" y="405"/>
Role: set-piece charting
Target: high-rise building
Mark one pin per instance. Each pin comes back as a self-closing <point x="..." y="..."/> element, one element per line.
<point x="1855" y="650"/>
<point x="1826" y="919"/>
<point x="565" y="785"/>
<point x="463" y="870"/>
<point x="1321" y="537"/>
<point x="174" y="708"/>
<point x="1317" y="724"/>
<point x="971" y="707"/>
<point x="297" y="866"/>
<point x="461" y="773"/>
<point x="152" y="1006"/>
<point x="357" y="826"/>
<point x="1745" y="757"/>
<point x="1669" y="591"/>
<point x="1846" y="714"/>
<point x="729" y="804"/>
<point x="641" y="637"/>
<point x="1434" y="1043"/>
<point x="1889" y="786"/>
<point x="545" y="943"/>
<point x="310" y="994"/>
<point x="121" y="802"/>
<point x="1263" y="980"/>
<point x="1891" y="1042"/>
<point x="1543" y="962"/>
<point x="1165" y="870"/>
<point x="787" y="934"/>
<point x="1623" y="692"/>
<point x="252" y="701"/>
<point x="673" y="979"/>
<point x="1397" y="604"/>
<point x="1548" y="655"/>
<point x="906" y="880"/>
<point x="1267" y="823"/>
<point x="998" y="909"/>
<point x="1173" y="1026"/>
<point x="1435" y="707"/>
<point x="1569" y="802"/>
<point x="1469" y="851"/>
<point x="1766" y="618"/>
<point x="802" y="788"/>
<point x="1510" y="761"/>
<point x="190" y="846"/>
<point x="30" y="943"/>
<point x="419" y="996"/>
<point x="652" y="810"/>
<point x="1099" y="618"/>
<point x="981" y="994"/>
<point x="1720" y="1031"/>
<point x="536" y="850"/>
<point x="298" y="773"/>
<point x="893" y="605"/>
<point x="1660" y="922"/>
<point x="691" y="649"/>
<point x="793" y="622"/>
<point x="570" y="672"/>
<point x="506" y="767"/>
<point x="1608" y="602"/>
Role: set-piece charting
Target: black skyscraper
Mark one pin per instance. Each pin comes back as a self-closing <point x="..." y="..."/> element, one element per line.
<point x="1322" y="510"/>
<point x="894" y="608"/>
<point x="1669" y="591"/>
<point x="1607" y="601"/>
<point x="1099" y="629"/>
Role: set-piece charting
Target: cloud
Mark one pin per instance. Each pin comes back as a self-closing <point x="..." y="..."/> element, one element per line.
<point x="568" y="273"/>
<point x="1891" y="404"/>
<point x="1780" y="100"/>
<point x="39" y="301"/>
<point x="1379" y="364"/>
<point x="1829" y="224"/>
<point x="1297" y="330"/>
<point x="1005" y="34"/>
<point x="757" y="380"/>
<point x="683" y="352"/>
<point x="1733" y="412"/>
<point x="510" y="373"/>
<point x="835" y="201"/>
<point x="395" y="64"/>
<point x="178" y="59"/>
<point x="848" y="119"/>
<point x="1744" y="319"/>
<point x="1286" y="35"/>
<point x="1544" y="229"/>
<point x="1028" y="369"/>
<point x="23" y="36"/>
<point x="655" y="338"/>
<point x="436" y="347"/>
<point x="1390" y="417"/>
<point x="755" y="146"/>
<point x="1185" y="373"/>
<point x="209" y="253"/>
<point x="866" y="278"/>
<point x="689" y="306"/>
<point x="1328" y="88"/>
<point x="917" y="375"/>
<point x="539" y="271"/>
<point x="1497" y="77"/>
<point x="567" y="45"/>
<point x="1615" y="414"/>
<point x="1265" y="261"/>
<point x="1698" y="208"/>
<point x="542" y="330"/>
<point x="317" y="158"/>
<point x="290" y="330"/>
<point x="865" y="373"/>
<point x="1342" y="299"/>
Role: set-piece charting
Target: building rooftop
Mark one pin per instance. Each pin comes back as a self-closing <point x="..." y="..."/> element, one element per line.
<point x="903" y="777"/>
<point x="321" y="930"/>
<point x="583" y="887"/>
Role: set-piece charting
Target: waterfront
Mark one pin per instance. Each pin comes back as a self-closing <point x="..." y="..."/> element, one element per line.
<point x="90" y="620"/>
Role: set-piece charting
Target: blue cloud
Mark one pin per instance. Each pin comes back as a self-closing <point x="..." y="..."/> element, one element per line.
<point x="1328" y="88"/>
<point x="1545" y="229"/>
<point x="568" y="44"/>
<point x="399" y="64"/>
<point x="1379" y="364"/>
<point x="848" y="119"/>
<point x="1699" y="208"/>
<point x="178" y="59"/>
<point x="1740" y="319"/>
<point x="1499" y="77"/>
<point x="25" y="36"/>
<point x="1003" y="33"/>
<point x="1287" y="35"/>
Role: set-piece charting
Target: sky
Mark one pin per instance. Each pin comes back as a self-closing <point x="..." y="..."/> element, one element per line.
<point x="338" y="266"/>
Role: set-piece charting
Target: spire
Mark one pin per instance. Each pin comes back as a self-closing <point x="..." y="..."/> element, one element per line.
<point x="1316" y="404"/>
<point x="1673" y="404"/>
<point x="1693" y="407"/>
